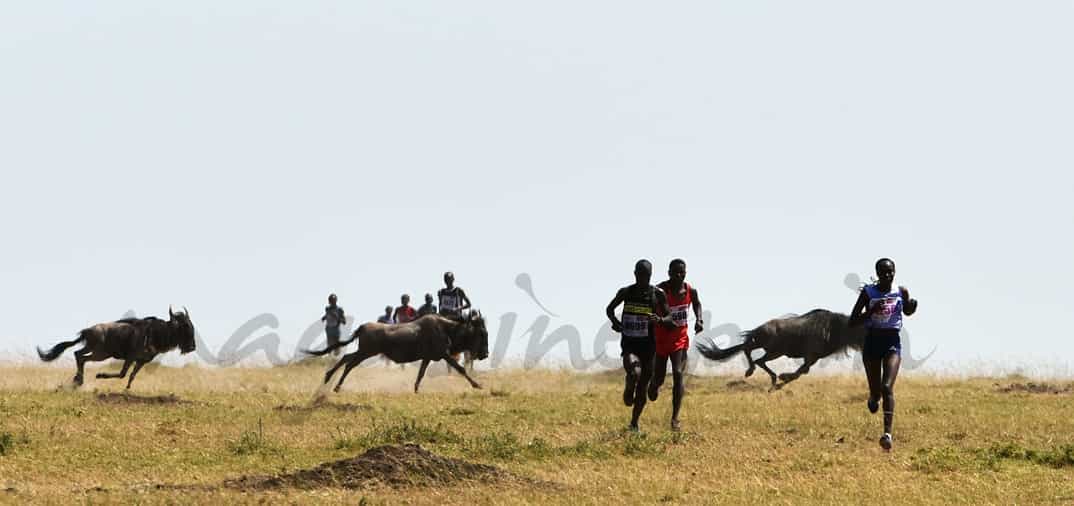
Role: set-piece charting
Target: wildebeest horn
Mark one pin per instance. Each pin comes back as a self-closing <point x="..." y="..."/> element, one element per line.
<point x="186" y="312"/>
<point x="170" y="313"/>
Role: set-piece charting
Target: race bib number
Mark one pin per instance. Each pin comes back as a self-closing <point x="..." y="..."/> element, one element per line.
<point x="888" y="306"/>
<point x="635" y="325"/>
<point x="449" y="303"/>
<point x="680" y="315"/>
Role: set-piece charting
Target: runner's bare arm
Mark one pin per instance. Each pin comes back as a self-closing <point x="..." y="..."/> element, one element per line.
<point x="699" y="325"/>
<point x="662" y="307"/>
<point x="857" y="315"/>
<point x="465" y="300"/>
<point x="909" y="306"/>
<point x="619" y="297"/>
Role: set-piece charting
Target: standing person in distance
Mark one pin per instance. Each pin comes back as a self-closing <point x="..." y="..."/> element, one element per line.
<point x="333" y="319"/>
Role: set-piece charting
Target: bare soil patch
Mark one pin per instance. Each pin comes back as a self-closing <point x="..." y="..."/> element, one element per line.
<point x="396" y="466"/>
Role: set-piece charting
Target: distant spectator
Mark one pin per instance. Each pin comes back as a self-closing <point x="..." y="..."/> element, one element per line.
<point x="333" y="319"/>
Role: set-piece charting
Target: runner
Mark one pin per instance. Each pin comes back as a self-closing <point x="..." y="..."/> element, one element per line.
<point x="404" y="313"/>
<point x="387" y="316"/>
<point x="642" y="303"/>
<point x="333" y="318"/>
<point x="453" y="300"/>
<point x="880" y="307"/>
<point x="428" y="307"/>
<point x="673" y="342"/>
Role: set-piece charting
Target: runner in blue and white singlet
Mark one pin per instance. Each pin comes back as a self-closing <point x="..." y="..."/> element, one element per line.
<point x="880" y="307"/>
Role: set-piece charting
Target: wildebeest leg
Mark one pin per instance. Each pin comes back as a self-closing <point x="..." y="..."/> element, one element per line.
<point x="788" y="377"/>
<point x="80" y="364"/>
<point x="137" y="367"/>
<point x="749" y="360"/>
<point x="421" y="374"/>
<point x="332" y="370"/>
<point x="86" y="355"/>
<point x="455" y="365"/>
<point x="352" y="361"/>
<point x="761" y="363"/>
<point x="122" y="372"/>
<point x="457" y="357"/>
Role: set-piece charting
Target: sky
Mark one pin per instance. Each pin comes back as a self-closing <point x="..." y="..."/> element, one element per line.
<point x="249" y="158"/>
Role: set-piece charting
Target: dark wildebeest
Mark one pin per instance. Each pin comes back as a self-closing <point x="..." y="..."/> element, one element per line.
<point x="133" y="340"/>
<point x="428" y="339"/>
<point x="811" y="337"/>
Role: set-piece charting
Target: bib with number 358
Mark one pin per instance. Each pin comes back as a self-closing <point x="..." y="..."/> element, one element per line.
<point x="680" y="315"/>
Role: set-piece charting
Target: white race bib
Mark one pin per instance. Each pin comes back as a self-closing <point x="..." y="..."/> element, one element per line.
<point x="680" y="315"/>
<point x="449" y="302"/>
<point x="887" y="308"/>
<point x="635" y="325"/>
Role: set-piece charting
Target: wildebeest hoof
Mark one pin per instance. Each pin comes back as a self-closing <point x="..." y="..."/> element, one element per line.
<point x="787" y="376"/>
<point x="475" y="385"/>
<point x="749" y="372"/>
<point x="100" y="375"/>
<point x="336" y="390"/>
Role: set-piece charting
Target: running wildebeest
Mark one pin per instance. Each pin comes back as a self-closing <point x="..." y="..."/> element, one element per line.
<point x="428" y="339"/>
<point x="811" y="337"/>
<point x="133" y="340"/>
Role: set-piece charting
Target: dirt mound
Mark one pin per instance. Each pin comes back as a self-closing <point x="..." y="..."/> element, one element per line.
<point x="125" y="398"/>
<point x="396" y="466"/>
<point x="1034" y="388"/>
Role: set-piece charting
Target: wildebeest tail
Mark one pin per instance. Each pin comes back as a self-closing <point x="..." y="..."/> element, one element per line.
<point x="710" y="351"/>
<point x="331" y="347"/>
<point x="58" y="350"/>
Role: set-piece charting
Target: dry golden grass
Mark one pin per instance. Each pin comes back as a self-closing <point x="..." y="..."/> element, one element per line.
<point x="561" y="433"/>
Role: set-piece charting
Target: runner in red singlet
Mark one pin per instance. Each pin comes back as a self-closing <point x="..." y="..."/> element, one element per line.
<point x="672" y="341"/>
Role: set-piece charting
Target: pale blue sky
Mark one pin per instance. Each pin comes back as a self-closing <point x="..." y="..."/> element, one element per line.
<point x="249" y="157"/>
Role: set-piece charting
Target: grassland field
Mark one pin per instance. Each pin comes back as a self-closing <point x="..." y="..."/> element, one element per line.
<point x="252" y="435"/>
